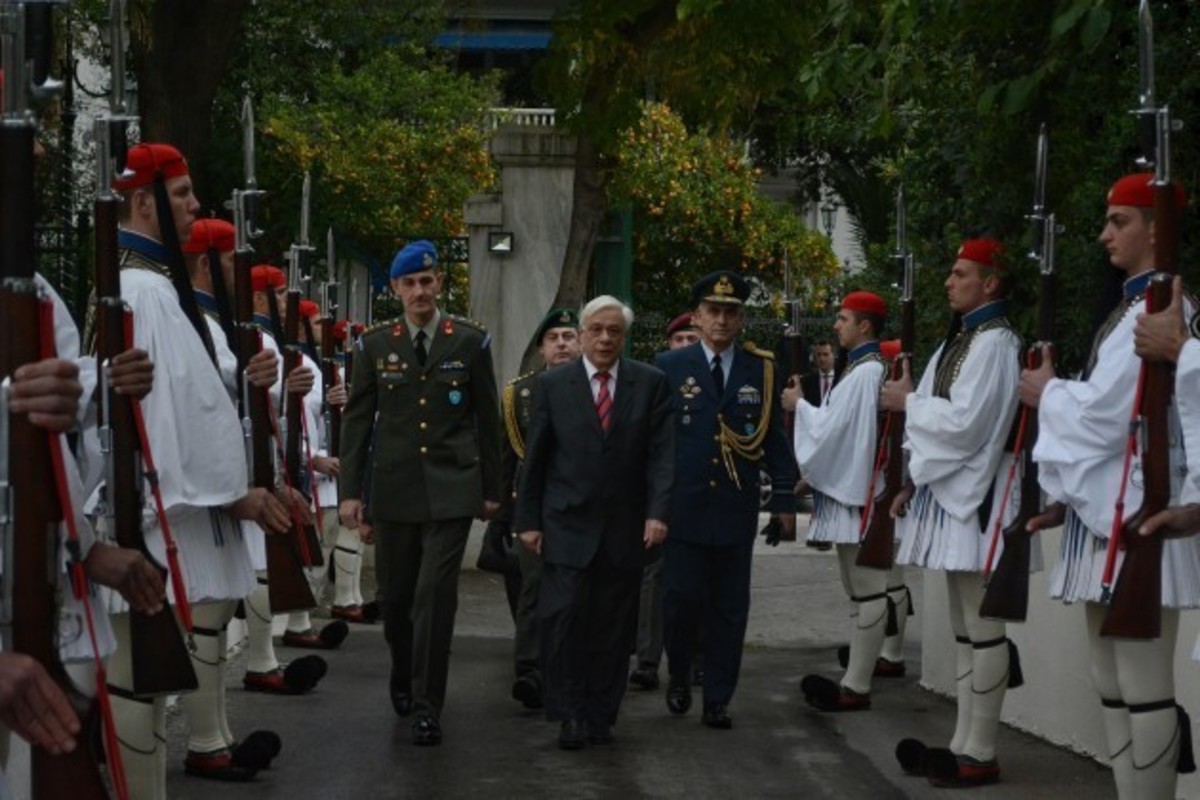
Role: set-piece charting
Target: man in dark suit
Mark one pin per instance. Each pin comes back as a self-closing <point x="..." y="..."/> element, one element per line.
<point x="593" y="497"/>
<point x="818" y="382"/>
<point x="728" y="426"/>
<point x="421" y="441"/>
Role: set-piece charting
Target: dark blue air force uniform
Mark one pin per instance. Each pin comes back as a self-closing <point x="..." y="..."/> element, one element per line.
<point x="721" y="444"/>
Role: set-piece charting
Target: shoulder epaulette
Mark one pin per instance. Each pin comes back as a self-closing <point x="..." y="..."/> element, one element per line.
<point x="520" y="378"/>
<point x="751" y="347"/>
<point x="387" y="323"/>
<point x="479" y="326"/>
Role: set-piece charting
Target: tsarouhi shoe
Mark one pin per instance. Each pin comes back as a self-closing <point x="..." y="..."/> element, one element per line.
<point x="826" y="695"/>
<point x="298" y="677"/>
<point x="257" y="750"/>
<point x="944" y="768"/>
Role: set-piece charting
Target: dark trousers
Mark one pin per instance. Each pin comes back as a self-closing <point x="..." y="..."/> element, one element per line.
<point x="525" y="649"/>
<point x="418" y="566"/>
<point x="650" y="617"/>
<point x="587" y="617"/>
<point x="706" y="587"/>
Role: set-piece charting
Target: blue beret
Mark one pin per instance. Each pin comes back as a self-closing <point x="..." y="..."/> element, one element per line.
<point x="414" y="257"/>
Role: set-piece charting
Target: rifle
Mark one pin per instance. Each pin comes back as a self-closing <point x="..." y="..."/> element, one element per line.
<point x="287" y="586"/>
<point x="1006" y="595"/>
<point x="793" y="356"/>
<point x="878" y="548"/>
<point x="31" y="508"/>
<point x="296" y="427"/>
<point x="160" y="660"/>
<point x="329" y="365"/>
<point x="1136" y="608"/>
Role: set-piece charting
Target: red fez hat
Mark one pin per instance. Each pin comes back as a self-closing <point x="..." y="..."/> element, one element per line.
<point x="682" y="322"/>
<point x="264" y="277"/>
<point x="339" y="330"/>
<point x="865" y="303"/>
<point x="987" y="252"/>
<point x="146" y="160"/>
<point x="309" y="309"/>
<point x="1137" y="190"/>
<point x="211" y="232"/>
<point x="889" y="349"/>
<point x="358" y="329"/>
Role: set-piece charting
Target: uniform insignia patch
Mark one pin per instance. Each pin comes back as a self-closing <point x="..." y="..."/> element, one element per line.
<point x="452" y="365"/>
<point x="455" y="397"/>
<point x="448" y="326"/>
<point x="398" y="329"/>
<point x="379" y="365"/>
<point x="690" y="388"/>
<point x="749" y="396"/>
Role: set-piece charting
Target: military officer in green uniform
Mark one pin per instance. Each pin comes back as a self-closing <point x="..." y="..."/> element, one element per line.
<point x="557" y="340"/>
<point x="420" y="459"/>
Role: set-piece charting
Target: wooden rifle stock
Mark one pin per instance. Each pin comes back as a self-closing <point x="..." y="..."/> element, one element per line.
<point x="329" y="377"/>
<point x="160" y="660"/>
<point x="878" y="547"/>
<point x="36" y="515"/>
<point x="1006" y="595"/>
<point x="287" y="586"/>
<point x="1136" y="608"/>
<point x="310" y="551"/>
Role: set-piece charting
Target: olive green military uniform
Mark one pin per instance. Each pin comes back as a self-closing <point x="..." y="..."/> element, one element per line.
<point x="421" y="449"/>
<point x="517" y="407"/>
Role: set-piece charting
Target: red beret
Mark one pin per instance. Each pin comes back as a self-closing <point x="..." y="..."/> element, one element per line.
<point x="339" y="330"/>
<point x="865" y="303"/>
<point x="146" y="160"/>
<point x="309" y="309"/>
<point x="264" y="277"/>
<point x="987" y="252"/>
<point x="211" y="232"/>
<point x="1137" y="190"/>
<point x="889" y="349"/>
<point x="680" y="323"/>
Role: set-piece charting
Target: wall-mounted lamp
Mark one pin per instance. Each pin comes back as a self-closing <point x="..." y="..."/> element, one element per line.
<point x="500" y="243"/>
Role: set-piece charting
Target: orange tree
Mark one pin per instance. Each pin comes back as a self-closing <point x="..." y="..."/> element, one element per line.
<point x="697" y="208"/>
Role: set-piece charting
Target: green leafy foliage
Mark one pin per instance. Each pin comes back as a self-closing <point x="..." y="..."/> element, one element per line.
<point x="697" y="208"/>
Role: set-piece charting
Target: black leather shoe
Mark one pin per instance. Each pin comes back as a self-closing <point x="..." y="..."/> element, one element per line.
<point x="599" y="733"/>
<point x="426" y="730"/>
<point x="644" y="678"/>
<point x="572" y="735"/>
<point x="716" y="715"/>
<point x="679" y="696"/>
<point x="401" y="696"/>
<point x="528" y="690"/>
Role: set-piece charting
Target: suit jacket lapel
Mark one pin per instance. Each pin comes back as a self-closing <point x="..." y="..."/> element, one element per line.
<point x="625" y="389"/>
<point x="583" y="392"/>
<point x="440" y="344"/>
<point x="401" y="343"/>
<point x="703" y="370"/>
<point x="739" y="375"/>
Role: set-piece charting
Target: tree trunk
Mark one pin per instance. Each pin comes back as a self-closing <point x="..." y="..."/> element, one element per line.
<point x="181" y="50"/>
<point x="589" y="205"/>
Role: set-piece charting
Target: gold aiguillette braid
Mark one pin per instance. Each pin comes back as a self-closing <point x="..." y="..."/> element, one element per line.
<point x="749" y="446"/>
<point x="509" y="401"/>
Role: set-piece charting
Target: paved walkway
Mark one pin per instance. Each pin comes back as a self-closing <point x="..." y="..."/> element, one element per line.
<point x="344" y="741"/>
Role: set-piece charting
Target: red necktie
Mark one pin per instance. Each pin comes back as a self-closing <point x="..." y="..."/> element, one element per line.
<point x="604" y="402"/>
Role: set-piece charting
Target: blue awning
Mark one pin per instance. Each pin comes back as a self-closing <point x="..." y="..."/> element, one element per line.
<point x="494" y="40"/>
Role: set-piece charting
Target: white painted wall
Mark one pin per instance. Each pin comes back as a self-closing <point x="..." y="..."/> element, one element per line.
<point x="1057" y="701"/>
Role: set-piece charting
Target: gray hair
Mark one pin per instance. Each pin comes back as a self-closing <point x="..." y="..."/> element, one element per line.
<point x="601" y="303"/>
